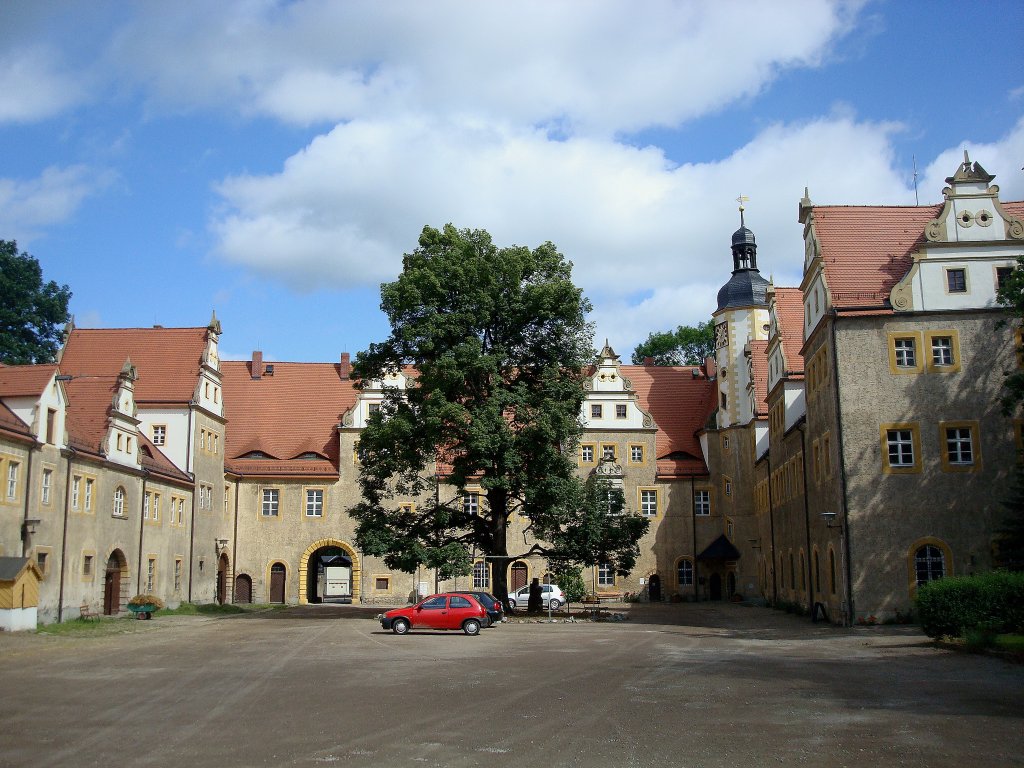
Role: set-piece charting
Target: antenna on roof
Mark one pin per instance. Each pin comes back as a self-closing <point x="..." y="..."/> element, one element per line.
<point x="916" y="201"/>
<point x="741" y="200"/>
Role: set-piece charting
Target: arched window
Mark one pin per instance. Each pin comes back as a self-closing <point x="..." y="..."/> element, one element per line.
<point x="684" y="572"/>
<point x="119" y="502"/>
<point x="481" y="575"/>
<point x="929" y="564"/>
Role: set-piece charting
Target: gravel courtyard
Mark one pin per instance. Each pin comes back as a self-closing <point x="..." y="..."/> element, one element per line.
<point x="674" y="685"/>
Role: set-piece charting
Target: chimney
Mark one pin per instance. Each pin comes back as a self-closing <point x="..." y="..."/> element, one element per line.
<point x="648" y="362"/>
<point x="345" y="370"/>
<point x="257" y="365"/>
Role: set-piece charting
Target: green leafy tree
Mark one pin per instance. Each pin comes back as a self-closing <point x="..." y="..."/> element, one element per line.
<point x="686" y="345"/>
<point x="32" y="313"/>
<point x="498" y="339"/>
<point x="1010" y="542"/>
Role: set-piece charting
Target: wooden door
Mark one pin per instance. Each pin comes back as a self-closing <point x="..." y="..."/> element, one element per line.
<point x="243" y="589"/>
<point x="222" y="577"/>
<point x="518" y="580"/>
<point x="112" y="591"/>
<point x="277" y="579"/>
<point x="654" y="588"/>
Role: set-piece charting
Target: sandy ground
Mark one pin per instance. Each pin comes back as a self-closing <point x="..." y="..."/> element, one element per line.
<point x="674" y="685"/>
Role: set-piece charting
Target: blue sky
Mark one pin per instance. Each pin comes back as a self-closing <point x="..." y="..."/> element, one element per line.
<point x="272" y="161"/>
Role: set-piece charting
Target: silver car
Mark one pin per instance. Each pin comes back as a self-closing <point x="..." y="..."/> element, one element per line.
<point x="551" y="596"/>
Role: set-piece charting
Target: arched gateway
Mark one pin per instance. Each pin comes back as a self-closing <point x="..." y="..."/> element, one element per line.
<point x="334" y="554"/>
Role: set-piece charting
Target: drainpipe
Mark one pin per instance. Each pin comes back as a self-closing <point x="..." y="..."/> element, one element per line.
<point x="142" y="528"/>
<point x="28" y="494"/>
<point x="192" y="524"/>
<point x="234" y="548"/>
<point x="849" y="613"/>
<point x="771" y="528"/>
<point x="64" y="539"/>
<point x="693" y="521"/>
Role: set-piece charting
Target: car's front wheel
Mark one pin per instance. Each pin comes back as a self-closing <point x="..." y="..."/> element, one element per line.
<point x="471" y="627"/>
<point x="400" y="626"/>
<point x="555" y="604"/>
<point x="512" y="603"/>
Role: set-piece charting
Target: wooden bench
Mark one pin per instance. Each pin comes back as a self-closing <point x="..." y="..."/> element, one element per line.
<point x="85" y="612"/>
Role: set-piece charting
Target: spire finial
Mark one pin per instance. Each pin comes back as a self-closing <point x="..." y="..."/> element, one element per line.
<point x="741" y="200"/>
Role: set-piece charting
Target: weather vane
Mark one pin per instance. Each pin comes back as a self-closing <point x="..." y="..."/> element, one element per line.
<point x="741" y="200"/>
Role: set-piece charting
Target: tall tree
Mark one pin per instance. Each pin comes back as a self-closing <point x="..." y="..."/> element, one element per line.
<point x="498" y="339"/>
<point x="686" y="345"/>
<point x="32" y="313"/>
<point x="1010" y="542"/>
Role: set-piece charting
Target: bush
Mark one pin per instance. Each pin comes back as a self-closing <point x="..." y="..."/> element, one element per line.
<point x="992" y="602"/>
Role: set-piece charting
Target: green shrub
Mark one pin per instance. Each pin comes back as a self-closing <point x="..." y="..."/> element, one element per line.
<point x="993" y="602"/>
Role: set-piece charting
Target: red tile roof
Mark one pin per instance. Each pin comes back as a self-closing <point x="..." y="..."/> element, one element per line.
<point x="789" y="309"/>
<point x="759" y="364"/>
<point x="12" y="426"/>
<point x="292" y="412"/>
<point x="167" y="359"/>
<point x="25" y="380"/>
<point x="152" y="459"/>
<point x="89" y="403"/>
<point x="867" y="249"/>
<point x="680" y="405"/>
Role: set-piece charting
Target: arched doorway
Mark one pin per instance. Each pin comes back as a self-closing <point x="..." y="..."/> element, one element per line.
<point x="309" y="569"/>
<point x="716" y="586"/>
<point x="654" y="588"/>
<point x="222" y="578"/>
<point x="243" y="588"/>
<point x="278" y="576"/>
<point x="115" y="581"/>
<point x="519" y="576"/>
<point x="329" y="576"/>
<point x="730" y="584"/>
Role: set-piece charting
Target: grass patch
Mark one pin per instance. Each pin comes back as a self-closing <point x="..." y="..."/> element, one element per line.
<point x="1011" y="643"/>
<point x="205" y="609"/>
<point x="92" y="627"/>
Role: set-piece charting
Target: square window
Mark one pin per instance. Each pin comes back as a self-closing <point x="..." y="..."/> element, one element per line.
<point x="906" y="354"/>
<point x="587" y="454"/>
<point x="620" y="411"/>
<point x="900" y="443"/>
<point x="942" y="350"/>
<point x="608" y="452"/>
<point x="636" y="454"/>
<point x="605" y="575"/>
<point x="956" y="280"/>
<point x="595" y="411"/>
<point x="1002" y="276"/>
<point x="959" y="445"/>
<point x="159" y="434"/>
<point x="471" y="504"/>
<point x="382" y="583"/>
<point x="271" y="498"/>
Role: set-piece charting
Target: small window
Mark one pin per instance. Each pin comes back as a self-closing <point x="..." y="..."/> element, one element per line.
<point x="608" y="452"/>
<point x="906" y="354"/>
<point x="372" y="408"/>
<point x="702" y="503"/>
<point x="587" y="454"/>
<point x="51" y="418"/>
<point x="1003" y="276"/>
<point x="956" y="280"/>
<point x="595" y="411"/>
<point x="636" y="454"/>
<point x="471" y="504"/>
<point x="620" y="411"/>
<point x="481" y="575"/>
<point x="87" y="565"/>
<point x="150" y="575"/>
<point x="159" y="434"/>
<point x="649" y="503"/>
<point x="929" y="564"/>
<point x="12" y="480"/>
<point x="177" y="575"/>
<point x="942" y="350"/>
<point x="89" y="483"/>
<point x="314" y="502"/>
<point x="119" y="502"/>
<point x="41" y="560"/>
<point x="900" y="446"/>
<point x="605" y="575"/>
<point x="685" y="573"/>
<point x="271" y="498"/>
<point x="382" y="583"/>
<point x="47" y="486"/>
<point x="959" y="446"/>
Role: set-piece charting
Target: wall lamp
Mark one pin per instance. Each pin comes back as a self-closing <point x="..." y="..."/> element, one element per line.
<point x="830" y="520"/>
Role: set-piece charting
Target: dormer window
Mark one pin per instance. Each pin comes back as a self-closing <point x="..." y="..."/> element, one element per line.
<point x="620" y="411"/>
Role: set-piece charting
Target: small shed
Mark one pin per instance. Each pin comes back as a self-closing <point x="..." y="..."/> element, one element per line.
<point x="19" y="593"/>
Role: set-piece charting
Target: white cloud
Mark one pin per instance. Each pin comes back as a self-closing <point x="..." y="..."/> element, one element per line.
<point x="615" y="67"/>
<point x="33" y="85"/>
<point x="51" y="198"/>
<point x="342" y="211"/>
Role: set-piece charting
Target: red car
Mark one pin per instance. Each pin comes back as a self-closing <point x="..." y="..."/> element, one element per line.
<point x="445" y="611"/>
